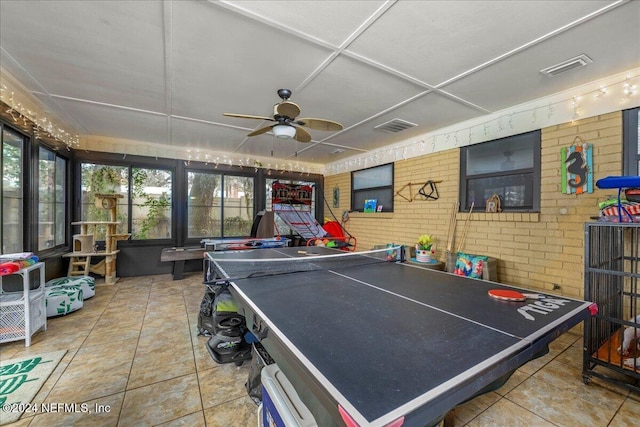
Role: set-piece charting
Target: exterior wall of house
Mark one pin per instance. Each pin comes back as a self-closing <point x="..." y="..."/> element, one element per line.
<point x="542" y="250"/>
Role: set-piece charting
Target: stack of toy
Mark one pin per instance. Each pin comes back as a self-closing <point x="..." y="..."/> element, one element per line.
<point x="10" y="263"/>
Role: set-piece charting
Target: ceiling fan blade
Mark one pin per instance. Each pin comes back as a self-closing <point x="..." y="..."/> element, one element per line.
<point x="288" y="109"/>
<point x="302" y="135"/>
<point x="320" y="124"/>
<point x="261" y="131"/>
<point x="247" y="116"/>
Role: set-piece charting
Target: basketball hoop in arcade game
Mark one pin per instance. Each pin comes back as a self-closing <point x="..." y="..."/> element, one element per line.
<point x="292" y="203"/>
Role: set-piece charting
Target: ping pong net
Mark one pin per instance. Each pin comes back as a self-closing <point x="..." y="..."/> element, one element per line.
<point x="306" y="259"/>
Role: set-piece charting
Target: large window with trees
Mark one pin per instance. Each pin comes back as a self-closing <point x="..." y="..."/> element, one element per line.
<point x="151" y="204"/>
<point x="52" y="190"/>
<point x="12" y="231"/>
<point x="219" y="204"/>
<point x="104" y="179"/>
<point x="144" y="209"/>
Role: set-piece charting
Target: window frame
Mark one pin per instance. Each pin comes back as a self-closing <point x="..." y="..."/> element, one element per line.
<point x="630" y="142"/>
<point x="389" y="187"/>
<point x="222" y="172"/>
<point x="129" y="197"/>
<point x="25" y="182"/>
<point x="66" y="191"/>
<point x="535" y="171"/>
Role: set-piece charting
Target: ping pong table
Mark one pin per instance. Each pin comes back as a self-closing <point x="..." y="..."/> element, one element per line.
<point x="390" y="343"/>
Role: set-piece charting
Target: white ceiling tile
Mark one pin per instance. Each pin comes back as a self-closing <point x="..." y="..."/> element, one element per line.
<point x="611" y="39"/>
<point x="434" y="41"/>
<point x="329" y="21"/>
<point x="117" y="123"/>
<point x="103" y="51"/>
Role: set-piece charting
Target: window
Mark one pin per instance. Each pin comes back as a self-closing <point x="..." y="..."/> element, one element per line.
<point x="52" y="186"/>
<point x="12" y="231"/>
<point x="372" y="184"/>
<point x="147" y="214"/>
<point x="151" y="204"/>
<point x="508" y="167"/>
<point x="631" y="142"/>
<point x="104" y="179"/>
<point x="219" y="205"/>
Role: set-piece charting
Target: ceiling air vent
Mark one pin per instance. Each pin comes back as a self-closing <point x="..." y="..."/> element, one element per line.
<point x="396" y="125"/>
<point x="569" y="64"/>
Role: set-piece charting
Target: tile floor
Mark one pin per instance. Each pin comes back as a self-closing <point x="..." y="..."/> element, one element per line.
<point x="134" y="348"/>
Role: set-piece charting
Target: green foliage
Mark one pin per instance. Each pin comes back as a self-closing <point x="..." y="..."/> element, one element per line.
<point x="156" y="206"/>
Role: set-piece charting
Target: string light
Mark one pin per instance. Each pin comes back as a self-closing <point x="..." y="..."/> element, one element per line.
<point x="576" y="108"/>
<point x="18" y="111"/>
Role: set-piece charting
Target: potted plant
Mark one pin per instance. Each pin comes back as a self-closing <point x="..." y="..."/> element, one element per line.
<point x="424" y="248"/>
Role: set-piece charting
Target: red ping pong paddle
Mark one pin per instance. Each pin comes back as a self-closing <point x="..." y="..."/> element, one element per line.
<point x="510" y="295"/>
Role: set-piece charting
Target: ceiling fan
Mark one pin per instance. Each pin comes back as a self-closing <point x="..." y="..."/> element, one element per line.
<point x="286" y="125"/>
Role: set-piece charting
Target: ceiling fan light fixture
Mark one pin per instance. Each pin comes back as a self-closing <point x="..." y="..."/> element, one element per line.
<point x="284" y="131"/>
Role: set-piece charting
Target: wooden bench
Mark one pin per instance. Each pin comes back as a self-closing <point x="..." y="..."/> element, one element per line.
<point x="178" y="256"/>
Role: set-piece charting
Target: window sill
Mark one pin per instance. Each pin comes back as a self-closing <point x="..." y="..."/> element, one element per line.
<point x="371" y="215"/>
<point x="501" y="216"/>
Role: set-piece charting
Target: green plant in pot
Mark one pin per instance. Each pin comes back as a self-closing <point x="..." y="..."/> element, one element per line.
<point x="424" y="248"/>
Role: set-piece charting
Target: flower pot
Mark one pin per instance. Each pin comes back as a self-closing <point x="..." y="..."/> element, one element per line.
<point x="423" y="255"/>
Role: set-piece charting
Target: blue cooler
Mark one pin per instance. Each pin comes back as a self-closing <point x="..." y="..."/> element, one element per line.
<point x="281" y="406"/>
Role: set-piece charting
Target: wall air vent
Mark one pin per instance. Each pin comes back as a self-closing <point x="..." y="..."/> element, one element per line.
<point x="569" y="64"/>
<point x="396" y="125"/>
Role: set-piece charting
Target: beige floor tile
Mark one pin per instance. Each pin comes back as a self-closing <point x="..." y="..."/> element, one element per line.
<point x="163" y="325"/>
<point x="54" y="377"/>
<point x="161" y="402"/>
<point x="203" y="359"/>
<point x="102" y="412"/>
<point x="164" y="363"/>
<point x="93" y="374"/>
<point x="628" y="414"/>
<point x="469" y="410"/>
<point x="192" y="420"/>
<point x="515" y="380"/>
<point x="565" y="401"/>
<point x="506" y="413"/>
<point x="22" y="422"/>
<point x="222" y="384"/>
<point x="237" y="412"/>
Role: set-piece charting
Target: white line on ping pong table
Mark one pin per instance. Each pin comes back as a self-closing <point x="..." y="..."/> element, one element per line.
<point x="423" y="304"/>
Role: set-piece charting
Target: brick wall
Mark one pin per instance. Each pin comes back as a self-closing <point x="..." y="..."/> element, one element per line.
<point x="542" y="250"/>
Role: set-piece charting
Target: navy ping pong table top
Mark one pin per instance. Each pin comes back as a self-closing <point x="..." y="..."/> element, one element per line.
<point x="390" y="341"/>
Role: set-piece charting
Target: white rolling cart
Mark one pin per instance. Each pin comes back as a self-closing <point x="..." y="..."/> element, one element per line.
<point x="23" y="313"/>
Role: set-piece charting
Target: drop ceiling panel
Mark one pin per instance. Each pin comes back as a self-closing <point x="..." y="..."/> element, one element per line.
<point x="224" y="62"/>
<point x="436" y="40"/>
<point x="102" y="51"/>
<point x="204" y="136"/>
<point x="117" y="123"/>
<point x="268" y="146"/>
<point x="611" y="39"/>
<point x="430" y="112"/>
<point x="322" y="153"/>
<point x="328" y="21"/>
<point x="349" y="92"/>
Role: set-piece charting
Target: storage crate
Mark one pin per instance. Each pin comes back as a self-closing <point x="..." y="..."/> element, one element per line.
<point x="612" y="267"/>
